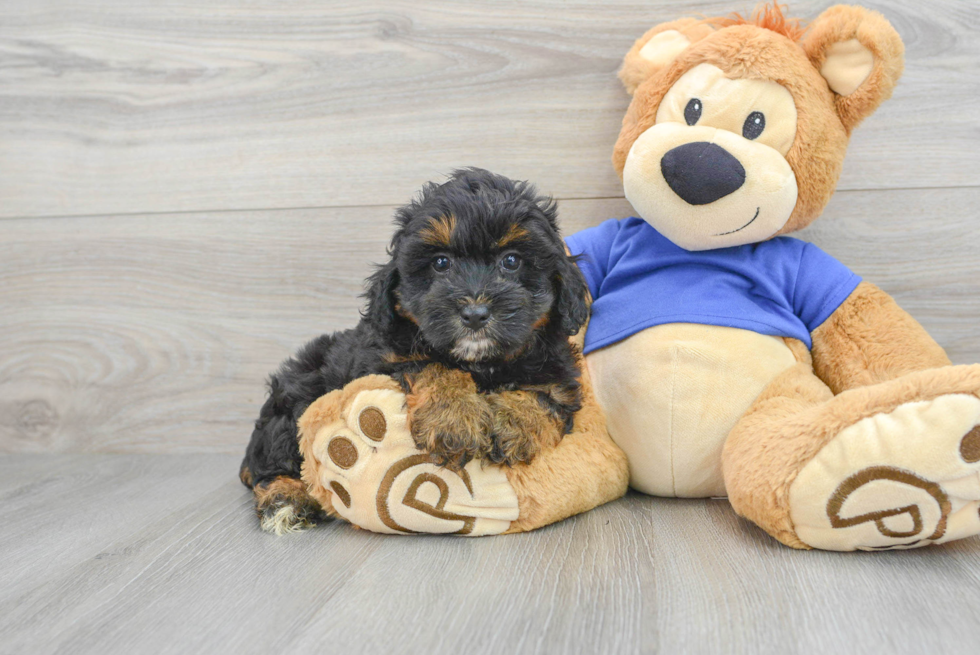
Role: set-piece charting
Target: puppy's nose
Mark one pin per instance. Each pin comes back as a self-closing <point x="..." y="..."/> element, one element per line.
<point x="702" y="172"/>
<point x="475" y="316"/>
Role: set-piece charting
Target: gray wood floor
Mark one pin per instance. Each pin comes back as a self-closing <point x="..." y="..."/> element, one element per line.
<point x="160" y="553"/>
<point x="190" y="191"/>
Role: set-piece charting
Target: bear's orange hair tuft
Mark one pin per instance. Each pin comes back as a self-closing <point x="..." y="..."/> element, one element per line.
<point x="766" y="16"/>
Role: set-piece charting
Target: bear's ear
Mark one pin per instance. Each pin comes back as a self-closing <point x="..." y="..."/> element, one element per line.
<point x="860" y="55"/>
<point x="656" y="49"/>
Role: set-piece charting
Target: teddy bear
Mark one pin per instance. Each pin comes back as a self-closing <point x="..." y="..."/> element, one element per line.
<point x="732" y="360"/>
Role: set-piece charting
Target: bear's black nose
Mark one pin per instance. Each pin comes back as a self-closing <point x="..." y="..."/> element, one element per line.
<point x="701" y="172"/>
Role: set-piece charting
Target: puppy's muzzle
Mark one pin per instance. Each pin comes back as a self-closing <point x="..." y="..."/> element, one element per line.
<point x="702" y="172"/>
<point x="474" y="315"/>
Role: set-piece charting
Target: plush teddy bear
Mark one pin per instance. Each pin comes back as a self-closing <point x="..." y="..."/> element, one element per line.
<point x="734" y="361"/>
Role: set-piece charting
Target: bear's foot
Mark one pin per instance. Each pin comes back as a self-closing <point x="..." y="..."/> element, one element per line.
<point x="904" y="478"/>
<point x="367" y="469"/>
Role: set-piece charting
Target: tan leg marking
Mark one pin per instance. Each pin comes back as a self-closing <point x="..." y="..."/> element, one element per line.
<point x="284" y="505"/>
<point x="521" y="427"/>
<point x="448" y="417"/>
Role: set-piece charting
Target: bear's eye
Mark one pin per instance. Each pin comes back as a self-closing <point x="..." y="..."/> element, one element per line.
<point x="510" y="262"/>
<point x="754" y="125"/>
<point x="692" y="113"/>
<point x="441" y="263"/>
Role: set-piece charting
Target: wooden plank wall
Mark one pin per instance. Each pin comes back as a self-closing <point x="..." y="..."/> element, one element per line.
<point x="189" y="191"/>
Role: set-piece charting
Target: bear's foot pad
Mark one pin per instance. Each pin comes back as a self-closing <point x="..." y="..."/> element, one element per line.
<point x="902" y="479"/>
<point x="380" y="481"/>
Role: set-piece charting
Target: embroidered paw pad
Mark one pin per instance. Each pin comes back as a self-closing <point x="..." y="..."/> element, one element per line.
<point x="380" y="481"/>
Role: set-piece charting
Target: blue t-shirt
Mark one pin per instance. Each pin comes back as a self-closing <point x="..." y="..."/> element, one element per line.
<point x="783" y="287"/>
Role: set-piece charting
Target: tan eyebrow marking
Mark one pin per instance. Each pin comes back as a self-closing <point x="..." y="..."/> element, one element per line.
<point x="513" y="234"/>
<point x="439" y="231"/>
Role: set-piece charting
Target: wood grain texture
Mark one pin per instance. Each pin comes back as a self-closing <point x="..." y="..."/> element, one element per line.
<point x="163" y="105"/>
<point x="155" y="333"/>
<point x="64" y="508"/>
<point x="640" y="575"/>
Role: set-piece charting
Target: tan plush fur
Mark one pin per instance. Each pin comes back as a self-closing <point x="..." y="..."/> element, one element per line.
<point x="870" y="339"/>
<point x="636" y="69"/>
<point x="768" y="17"/>
<point x="795" y="417"/>
<point x="584" y="471"/>
<point x="326" y="410"/>
<point x="841" y="23"/>
<point x="869" y="357"/>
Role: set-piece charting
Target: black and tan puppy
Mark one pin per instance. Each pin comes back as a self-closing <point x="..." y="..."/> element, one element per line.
<point x="472" y="315"/>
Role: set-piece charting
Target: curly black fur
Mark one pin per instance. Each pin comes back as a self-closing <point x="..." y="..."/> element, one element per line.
<point x="413" y="314"/>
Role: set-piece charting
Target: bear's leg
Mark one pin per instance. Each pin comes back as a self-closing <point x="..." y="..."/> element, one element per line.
<point x="585" y="470"/>
<point x="890" y="465"/>
<point x="360" y="462"/>
<point x="870" y="339"/>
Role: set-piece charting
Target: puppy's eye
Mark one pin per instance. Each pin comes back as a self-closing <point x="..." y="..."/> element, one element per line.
<point x="754" y="125"/>
<point x="692" y="113"/>
<point x="441" y="264"/>
<point x="510" y="262"/>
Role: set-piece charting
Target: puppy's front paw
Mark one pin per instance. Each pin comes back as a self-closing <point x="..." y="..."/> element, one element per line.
<point x="456" y="430"/>
<point x="521" y="426"/>
<point x="448" y="417"/>
<point x="511" y="444"/>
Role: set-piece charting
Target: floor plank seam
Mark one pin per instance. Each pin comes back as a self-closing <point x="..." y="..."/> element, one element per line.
<point x="299" y="208"/>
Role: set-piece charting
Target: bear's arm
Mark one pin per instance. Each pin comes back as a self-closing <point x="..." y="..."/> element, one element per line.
<point x="870" y="339"/>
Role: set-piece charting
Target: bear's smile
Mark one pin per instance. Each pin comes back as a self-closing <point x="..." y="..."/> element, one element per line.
<point x="744" y="226"/>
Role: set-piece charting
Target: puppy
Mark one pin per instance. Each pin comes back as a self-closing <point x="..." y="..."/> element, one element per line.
<point x="471" y="315"/>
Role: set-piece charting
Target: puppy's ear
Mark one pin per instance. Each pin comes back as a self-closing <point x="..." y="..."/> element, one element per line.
<point x="381" y="308"/>
<point x="571" y="306"/>
<point x="571" y="309"/>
